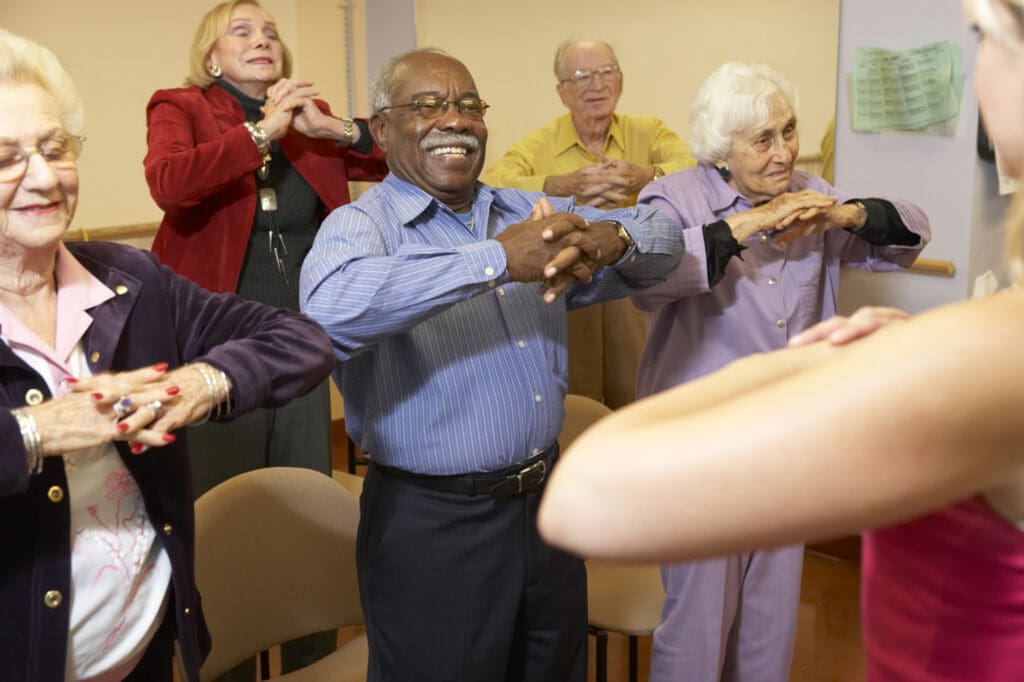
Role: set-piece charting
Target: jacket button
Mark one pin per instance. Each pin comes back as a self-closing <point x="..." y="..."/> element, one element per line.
<point x="94" y="357"/>
<point x="187" y="610"/>
<point x="168" y="528"/>
<point x="52" y="599"/>
<point x="55" y="493"/>
<point x="34" y="396"/>
<point x="121" y="289"/>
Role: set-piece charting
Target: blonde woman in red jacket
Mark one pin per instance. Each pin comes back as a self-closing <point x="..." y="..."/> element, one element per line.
<point x="245" y="164"/>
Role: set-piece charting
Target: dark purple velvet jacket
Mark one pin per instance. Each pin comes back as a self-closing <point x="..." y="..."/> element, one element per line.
<point x="270" y="355"/>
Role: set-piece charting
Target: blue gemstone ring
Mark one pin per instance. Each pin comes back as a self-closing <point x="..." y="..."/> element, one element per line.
<point x="123" y="407"/>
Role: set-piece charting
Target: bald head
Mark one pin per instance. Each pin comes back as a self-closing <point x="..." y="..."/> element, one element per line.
<point x="576" y="44"/>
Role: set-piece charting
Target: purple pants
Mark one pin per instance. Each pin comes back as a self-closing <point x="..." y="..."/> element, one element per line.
<point x="731" y="619"/>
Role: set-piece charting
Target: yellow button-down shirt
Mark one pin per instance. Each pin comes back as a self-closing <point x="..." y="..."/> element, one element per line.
<point x="556" y="149"/>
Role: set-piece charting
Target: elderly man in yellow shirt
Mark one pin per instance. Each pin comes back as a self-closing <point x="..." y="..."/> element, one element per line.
<point x="603" y="159"/>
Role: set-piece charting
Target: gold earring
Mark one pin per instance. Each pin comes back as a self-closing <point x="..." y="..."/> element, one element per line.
<point x="214" y="70"/>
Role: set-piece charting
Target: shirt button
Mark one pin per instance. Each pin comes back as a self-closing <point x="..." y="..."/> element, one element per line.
<point x="488" y="271"/>
<point x="772" y="280"/>
<point x="491" y="284"/>
<point x="780" y="324"/>
<point x="55" y="493"/>
<point x="95" y="357"/>
<point x="501" y="292"/>
<point x="53" y="599"/>
<point x="34" y="396"/>
<point x="522" y="344"/>
<point x="537" y="398"/>
<point x="763" y="239"/>
<point x="121" y="289"/>
<point x="536" y="451"/>
<point x="168" y="528"/>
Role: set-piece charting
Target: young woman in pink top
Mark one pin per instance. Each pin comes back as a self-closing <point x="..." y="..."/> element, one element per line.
<point x="924" y="445"/>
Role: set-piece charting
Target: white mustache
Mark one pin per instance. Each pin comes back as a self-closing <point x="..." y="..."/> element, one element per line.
<point x="450" y="140"/>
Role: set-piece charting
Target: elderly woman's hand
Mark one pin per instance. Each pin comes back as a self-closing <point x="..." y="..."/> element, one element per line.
<point x="89" y="414"/>
<point x="142" y="406"/>
<point x="779" y="213"/>
<point x="808" y="223"/>
<point x="285" y="99"/>
<point x="183" y="396"/>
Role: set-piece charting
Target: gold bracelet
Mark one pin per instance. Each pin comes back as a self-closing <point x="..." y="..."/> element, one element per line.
<point x="349" y="131"/>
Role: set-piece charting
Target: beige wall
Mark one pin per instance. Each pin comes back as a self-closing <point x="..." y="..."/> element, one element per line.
<point x="666" y="48"/>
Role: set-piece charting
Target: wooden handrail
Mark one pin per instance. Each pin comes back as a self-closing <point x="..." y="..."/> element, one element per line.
<point x="929" y="266"/>
<point x="141" y="230"/>
<point x="111" y="233"/>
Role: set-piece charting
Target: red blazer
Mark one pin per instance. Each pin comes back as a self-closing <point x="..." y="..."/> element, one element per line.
<point x="200" y="167"/>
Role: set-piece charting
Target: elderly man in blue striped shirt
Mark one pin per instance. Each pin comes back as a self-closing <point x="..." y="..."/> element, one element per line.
<point x="446" y="302"/>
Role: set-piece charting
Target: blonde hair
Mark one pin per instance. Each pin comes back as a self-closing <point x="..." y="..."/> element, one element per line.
<point x="25" y="62"/>
<point x="211" y="28"/>
<point x="991" y="17"/>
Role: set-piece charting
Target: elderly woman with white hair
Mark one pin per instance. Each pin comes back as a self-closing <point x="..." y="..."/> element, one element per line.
<point x="104" y="357"/>
<point x="735" y="617"/>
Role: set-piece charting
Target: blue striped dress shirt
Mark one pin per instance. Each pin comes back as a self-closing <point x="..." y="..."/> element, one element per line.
<point x="445" y="364"/>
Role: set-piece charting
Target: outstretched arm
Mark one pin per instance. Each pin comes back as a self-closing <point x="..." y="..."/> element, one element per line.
<point x="802" y="444"/>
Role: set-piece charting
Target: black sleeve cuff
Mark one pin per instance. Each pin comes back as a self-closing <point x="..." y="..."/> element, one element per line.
<point x="884" y="227"/>
<point x="365" y="143"/>
<point x="719" y="247"/>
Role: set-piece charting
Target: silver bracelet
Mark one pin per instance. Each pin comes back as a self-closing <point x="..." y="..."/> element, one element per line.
<point x="30" y="437"/>
<point x="225" y="403"/>
<point x="219" y="385"/>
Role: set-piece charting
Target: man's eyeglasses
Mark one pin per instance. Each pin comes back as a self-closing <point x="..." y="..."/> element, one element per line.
<point x="60" y="152"/>
<point x="435" y="107"/>
<point x="584" y="77"/>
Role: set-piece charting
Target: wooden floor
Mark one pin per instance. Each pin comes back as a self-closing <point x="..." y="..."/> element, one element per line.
<point x="828" y="646"/>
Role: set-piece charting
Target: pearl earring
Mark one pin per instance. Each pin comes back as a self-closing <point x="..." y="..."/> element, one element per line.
<point x="214" y="70"/>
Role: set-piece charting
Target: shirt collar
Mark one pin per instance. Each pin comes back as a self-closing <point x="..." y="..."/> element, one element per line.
<point x="719" y="193"/>
<point x="566" y="136"/>
<point x="414" y="201"/>
<point x="77" y="292"/>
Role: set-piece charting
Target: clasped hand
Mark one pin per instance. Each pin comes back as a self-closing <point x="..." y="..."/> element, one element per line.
<point x="795" y="215"/>
<point x="140" y="406"/>
<point x="290" y="104"/>
<point x="606" y="184"/>
<point x="558" y="249"/>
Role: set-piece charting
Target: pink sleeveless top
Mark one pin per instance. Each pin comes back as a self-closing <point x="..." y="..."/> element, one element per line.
<point x="942" y="598"/>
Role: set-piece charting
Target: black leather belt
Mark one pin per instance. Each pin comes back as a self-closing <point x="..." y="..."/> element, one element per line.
<point x="518" y="479"/>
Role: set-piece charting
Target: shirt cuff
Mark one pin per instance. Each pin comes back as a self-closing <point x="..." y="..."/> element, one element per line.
<point x="884" y="227"/>
<point x="719" y="247"/>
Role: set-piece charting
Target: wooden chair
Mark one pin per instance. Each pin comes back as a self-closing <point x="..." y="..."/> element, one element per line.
<point x="275" y="560"/>
<point x="621" y="598"/>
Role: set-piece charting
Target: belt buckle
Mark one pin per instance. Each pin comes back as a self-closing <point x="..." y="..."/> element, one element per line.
<point x="540" y="466"/>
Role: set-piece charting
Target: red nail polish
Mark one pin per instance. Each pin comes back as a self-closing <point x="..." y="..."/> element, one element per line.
<point x="71" y="380"/>
<point x="97" y="396"/>
<point x="122" y="427"/>
<point x="160" y="366"/>
<point x="173" y="390"/>
<point x="138" y="447"/>
<point x="169" y="438"/>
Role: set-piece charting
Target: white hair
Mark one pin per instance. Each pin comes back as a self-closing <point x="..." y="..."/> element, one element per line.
<point x="25" y="62"/>
<point x="382" y="87"/>
<point x="736" y="96"/>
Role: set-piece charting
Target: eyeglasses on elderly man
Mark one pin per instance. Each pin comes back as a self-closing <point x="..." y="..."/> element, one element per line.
<point x="435" y="107"/>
